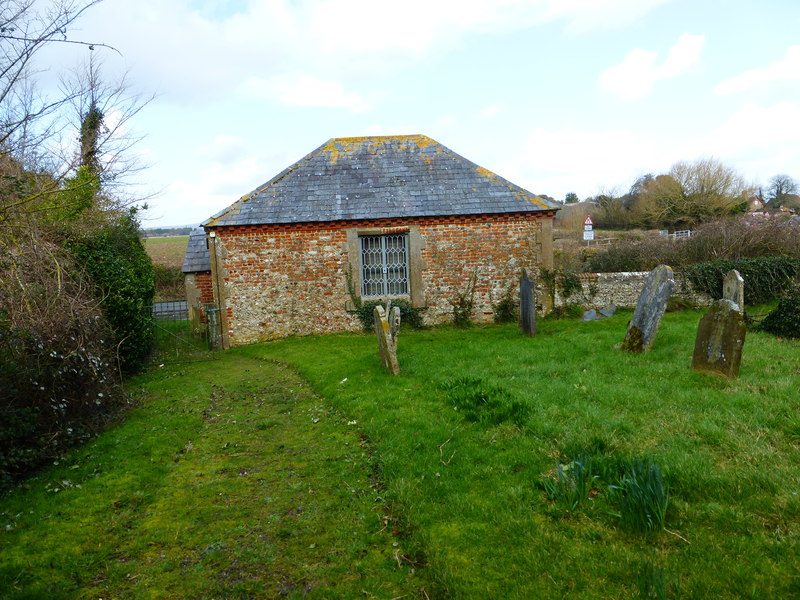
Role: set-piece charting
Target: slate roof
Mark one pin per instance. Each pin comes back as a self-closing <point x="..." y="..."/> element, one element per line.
<point x="197" y="258"/>
<point x="378" y="177"/>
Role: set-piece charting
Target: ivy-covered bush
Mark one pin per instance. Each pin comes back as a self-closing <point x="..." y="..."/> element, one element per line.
<point x="116" y="262"/>
<point x="765" y="277"/>
<point x="784" y="320"/>
<point x="59" y="378"/>
<point x="408" y="314"/>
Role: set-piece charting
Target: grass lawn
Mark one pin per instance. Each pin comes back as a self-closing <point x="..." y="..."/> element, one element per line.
<point x="230" y="480"/>
<point x="504" y="466"/>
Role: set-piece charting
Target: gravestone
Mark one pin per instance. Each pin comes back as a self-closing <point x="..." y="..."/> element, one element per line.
<point x="608" y="310"/>
<point x="720" y="339"/>
<point x="590" y="315"/>
<point x="387" y="327"/>
<point x="652" y="303"/>
<point x="733" y="289"/>
<point x="527" y="305"/>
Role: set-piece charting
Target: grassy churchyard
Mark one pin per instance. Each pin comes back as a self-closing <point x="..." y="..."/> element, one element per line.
<point x="493" y="466"/>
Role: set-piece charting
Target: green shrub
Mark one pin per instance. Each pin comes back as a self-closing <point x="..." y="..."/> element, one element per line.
<point x="566" y="283"/>
<point x="570" y="310"/>
<point x="169" y="282"/>
<point x="765" y="278"/>
<point x="507" y="308"/>
<point x="731" y="238"/>
<point x="642" y="496"/>
<point x="409" y="315"/>
<point x="480" y="402"/>
<point x="58" y="366"/>
<point x="463" y="303"/>
<point x="784" y="320"/>
<point x="116" y="262"/>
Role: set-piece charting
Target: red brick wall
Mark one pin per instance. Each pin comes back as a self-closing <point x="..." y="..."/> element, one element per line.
<point x="199" y="291"/>
<point x="203" y="283"/>
<point x="290" y="279"/>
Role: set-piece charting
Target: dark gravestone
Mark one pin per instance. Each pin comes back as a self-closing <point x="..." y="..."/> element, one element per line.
<point x="527" y="305"/>
<point x="720" y="339"/>
<point x="658" y="286"/>
<point x="387" y="326"/>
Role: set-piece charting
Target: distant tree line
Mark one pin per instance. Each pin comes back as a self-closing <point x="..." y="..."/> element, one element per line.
<point x="166" y="231"/>
<point x="687" y="195"/>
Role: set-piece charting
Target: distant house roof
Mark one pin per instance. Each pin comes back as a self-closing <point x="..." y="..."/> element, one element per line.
<point x="197" y="258"/>
<point x="379" y="177"/>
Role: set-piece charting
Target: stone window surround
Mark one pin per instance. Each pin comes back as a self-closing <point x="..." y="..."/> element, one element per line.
<point x="416" y="294"/>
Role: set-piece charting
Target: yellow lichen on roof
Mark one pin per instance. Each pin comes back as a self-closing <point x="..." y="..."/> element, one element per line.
<point x="376" y="144"/>
<point x="486" y="173"/>
<point x="538" y="201"/>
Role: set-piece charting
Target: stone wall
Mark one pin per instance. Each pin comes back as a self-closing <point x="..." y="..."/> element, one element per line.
<point x="623" y="289"/>
<point x="292" y="279"/>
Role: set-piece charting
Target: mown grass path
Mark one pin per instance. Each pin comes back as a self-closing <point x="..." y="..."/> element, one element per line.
<point x="230" y="480"/>
<point x="234" y="480"/>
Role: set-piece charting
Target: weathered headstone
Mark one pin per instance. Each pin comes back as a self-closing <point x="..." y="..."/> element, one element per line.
<point x="387" y="327"/>
<point x="609" y="310"/>
<point x="527" y="304"/>
<point x="658" y="286"/>
<point x="720" y="339"/>
<point x="590" y="315"/>
<point x="733" y="289"/>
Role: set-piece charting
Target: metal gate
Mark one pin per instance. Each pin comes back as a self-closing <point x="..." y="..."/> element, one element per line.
<point x="175" y="337"/>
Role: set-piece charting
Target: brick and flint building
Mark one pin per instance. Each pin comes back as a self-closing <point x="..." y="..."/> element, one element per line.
<point x="369" y="218"/>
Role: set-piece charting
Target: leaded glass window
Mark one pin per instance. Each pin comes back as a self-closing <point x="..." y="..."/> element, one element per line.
<point x="384" y="265"/>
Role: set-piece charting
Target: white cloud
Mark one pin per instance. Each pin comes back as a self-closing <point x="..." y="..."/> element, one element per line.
<point x="213" y="51"/>
<point x="758" y="140"/>
<point x="786" y="69"/>
<point x="591" y="15"/>
<point x="209" y="191"/>
<point x="490" y="111"/>
<point x="303" y="90"/>
<point x="635" y="76"/>
<point x="223" y="149"/>
<point x="555" y="162"/>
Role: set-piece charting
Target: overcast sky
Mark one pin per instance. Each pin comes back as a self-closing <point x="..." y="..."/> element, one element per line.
<point x="558" y="96"/>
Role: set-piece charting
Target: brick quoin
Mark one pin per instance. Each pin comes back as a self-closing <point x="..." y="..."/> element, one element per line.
<point x="291" y="278"/>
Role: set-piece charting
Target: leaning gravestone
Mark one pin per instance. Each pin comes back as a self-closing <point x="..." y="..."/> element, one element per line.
<point x="720" y="339"/>
<point x="733" y="289"/>
<point x="658" y="286"/>
<point x="527" y="305"/>
<point x="387" y="326"/>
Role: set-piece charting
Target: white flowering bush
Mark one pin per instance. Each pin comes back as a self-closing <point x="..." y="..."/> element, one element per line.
<point x="59" y="380"/>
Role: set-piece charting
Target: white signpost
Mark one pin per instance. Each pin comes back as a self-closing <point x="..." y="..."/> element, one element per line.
<point x="588" y="234"/>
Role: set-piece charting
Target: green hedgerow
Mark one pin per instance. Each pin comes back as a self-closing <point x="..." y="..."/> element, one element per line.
<point x="116" y="262"/>
<point x="765" y="277"/>
<point x="784" y="320"/>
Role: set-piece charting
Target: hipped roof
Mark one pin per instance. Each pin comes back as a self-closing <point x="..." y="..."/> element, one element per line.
<point x="379" y="177"/>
